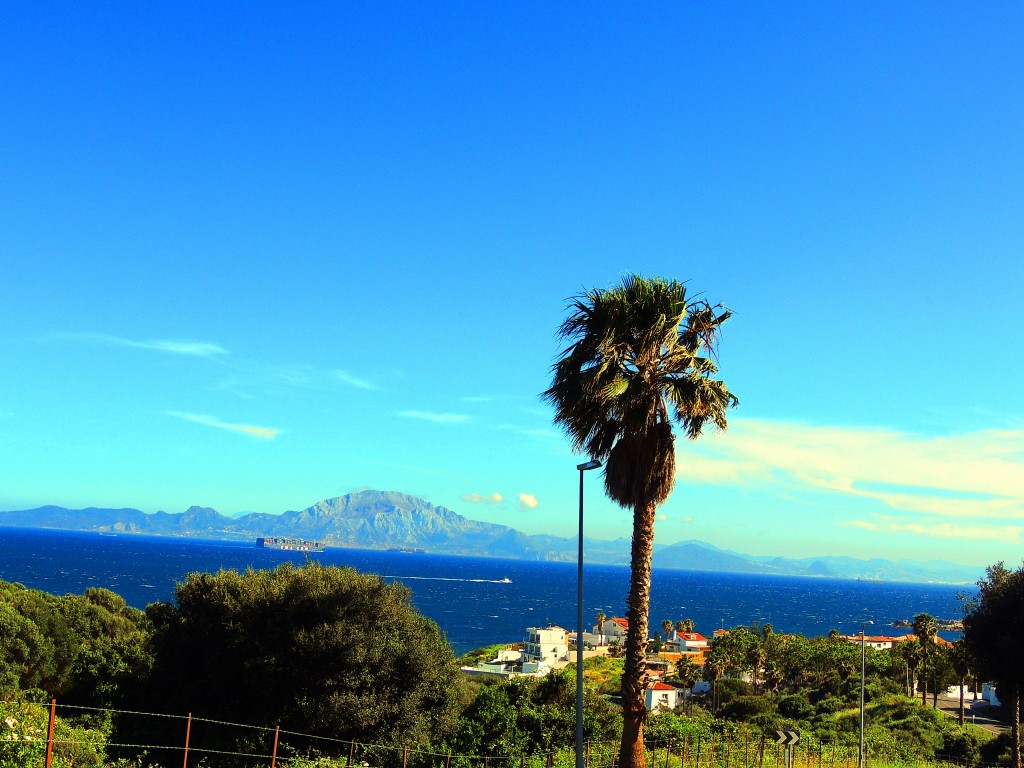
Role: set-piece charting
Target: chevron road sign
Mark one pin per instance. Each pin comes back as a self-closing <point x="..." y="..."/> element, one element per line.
<point x="789" y="738"/>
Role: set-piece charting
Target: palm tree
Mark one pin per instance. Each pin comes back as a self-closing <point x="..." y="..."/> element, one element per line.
<point x="600" y="618"/>
<point x="912" y="656"/>
<point x="925" y="627"/>
<point x="666" y="627"/>
<point x="640" y="359"/>
<point x="688" y="674"/>
<point x="713" y="669"/>
<point x="684" y="626"/>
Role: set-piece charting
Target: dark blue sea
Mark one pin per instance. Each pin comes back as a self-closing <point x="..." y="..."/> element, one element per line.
<point x="467" y="596"/>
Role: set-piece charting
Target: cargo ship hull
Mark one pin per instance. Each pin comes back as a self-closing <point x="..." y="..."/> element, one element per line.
<point x="291" y="545"/>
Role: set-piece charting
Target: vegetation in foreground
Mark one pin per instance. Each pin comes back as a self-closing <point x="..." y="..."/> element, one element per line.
<point x="344" y="657"/>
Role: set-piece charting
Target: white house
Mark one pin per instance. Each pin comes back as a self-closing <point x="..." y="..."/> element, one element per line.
<point x="661" y="696"/>
<point x="686" y="642"/>
<point x="543" y="647"/>
<point x="878" y="642"/>
<point x="614" y="631"/>
<point x="503" y="664"/>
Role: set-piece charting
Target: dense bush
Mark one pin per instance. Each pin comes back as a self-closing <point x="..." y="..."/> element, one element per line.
<point x="314" y="649"/>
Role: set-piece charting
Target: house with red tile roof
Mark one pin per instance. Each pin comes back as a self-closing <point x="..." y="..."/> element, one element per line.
<point x="661" y="696"/>
<point x="615" y="630"/>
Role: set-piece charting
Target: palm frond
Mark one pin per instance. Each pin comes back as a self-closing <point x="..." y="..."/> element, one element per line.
<point x="640" y="358"/>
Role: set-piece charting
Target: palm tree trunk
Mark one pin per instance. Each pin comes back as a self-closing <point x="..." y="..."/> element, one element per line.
<point x="634" y="676"/>
<point x="924" y="684"/>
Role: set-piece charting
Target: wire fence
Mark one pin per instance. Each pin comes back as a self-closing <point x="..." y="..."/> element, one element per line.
<point x="201" y="746"/>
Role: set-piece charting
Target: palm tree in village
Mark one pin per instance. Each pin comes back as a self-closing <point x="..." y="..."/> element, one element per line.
<point x="684" y="626"/>
<point x="600" y="619"/>
<point x="640" y="361"/>
<point x="926" y="628"/>
<point x="666" y="627"/>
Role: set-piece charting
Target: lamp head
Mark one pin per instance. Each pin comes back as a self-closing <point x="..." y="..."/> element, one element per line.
<point x="592" y="464"/>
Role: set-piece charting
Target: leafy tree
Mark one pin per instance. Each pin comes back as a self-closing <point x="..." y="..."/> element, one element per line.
<point x="516" y="718"/>
<point x="316" y="649"/>
<point x="81" y="648"/>
<point x="994" y="633"/>
<point x="640" y="360"/>
<point x="684" y="626"/>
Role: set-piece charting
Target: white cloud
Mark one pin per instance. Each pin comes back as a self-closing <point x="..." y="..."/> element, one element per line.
<point x="194" y="348"/>
<point x="485" y="498"/>
<point x="945" y="530"/>
<point x="262" y="433"/>
<point x="172" y="346"/>
<point x="978" y="474"/>
<point x="528" y="500"/>
<point x="354" y="381"/>
<point x="436" y="418"/>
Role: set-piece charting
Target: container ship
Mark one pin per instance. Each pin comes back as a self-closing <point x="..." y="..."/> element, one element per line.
<point x="293" y="545"/>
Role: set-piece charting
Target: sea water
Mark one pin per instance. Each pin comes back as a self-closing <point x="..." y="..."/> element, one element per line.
<point x="469" y="597"/>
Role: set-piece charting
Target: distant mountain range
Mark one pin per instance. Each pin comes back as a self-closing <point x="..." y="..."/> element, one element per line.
<point x="383" y="519"/>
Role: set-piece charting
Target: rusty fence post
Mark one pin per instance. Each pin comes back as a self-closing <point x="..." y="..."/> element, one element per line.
<point x="49" y="732"/>
<point x="273" y="755"/>
<point x="188" y="735"/>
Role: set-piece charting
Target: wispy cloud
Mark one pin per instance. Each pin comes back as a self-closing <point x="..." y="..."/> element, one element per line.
<point x="354" y="381"/>
<point x="171" y="346"/>
<point x="261" y="433"/>
<point x="975" y="475"/>
<point x="436" y="418"/>
<point x="482" y="498"/>
<point x="944" y="529"/>
<point x="528" y="501"/>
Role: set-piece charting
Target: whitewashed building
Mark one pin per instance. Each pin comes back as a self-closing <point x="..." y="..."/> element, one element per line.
<point x="543" y="647"/>
<point x="661" y="696"/>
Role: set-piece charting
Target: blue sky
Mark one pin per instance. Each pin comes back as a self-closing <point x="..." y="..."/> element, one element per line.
<point x="258" y="255"/>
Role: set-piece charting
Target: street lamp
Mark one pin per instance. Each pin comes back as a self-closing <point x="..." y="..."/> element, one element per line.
<point x="587" y="465"/>
<point x="863" y="644"/>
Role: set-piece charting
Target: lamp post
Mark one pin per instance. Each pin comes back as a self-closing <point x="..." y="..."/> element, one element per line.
<point x="587" y="465"/>
<point x="863" y="645"/>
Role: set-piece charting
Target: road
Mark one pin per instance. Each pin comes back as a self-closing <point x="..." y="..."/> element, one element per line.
<point x="975" y="712"/>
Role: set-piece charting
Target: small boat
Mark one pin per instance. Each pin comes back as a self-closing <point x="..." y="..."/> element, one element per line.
<point x="506" y="580"/>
